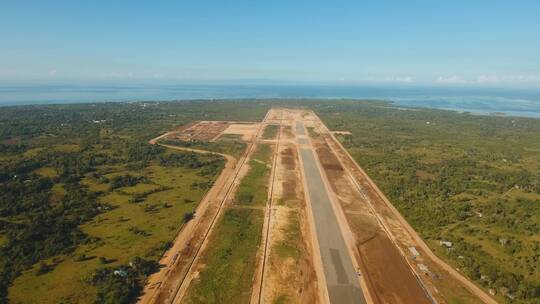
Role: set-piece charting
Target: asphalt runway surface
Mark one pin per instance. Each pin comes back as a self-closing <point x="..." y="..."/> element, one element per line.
<point x="341" y="277"/>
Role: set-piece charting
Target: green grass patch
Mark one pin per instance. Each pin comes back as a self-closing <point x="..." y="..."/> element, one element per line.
<point x="281" y="299"/>
<point x="288" y="247"/>
<point x="230" y="138"/>
<point x="47" y="172"/>
<point x="312" y="132"/>
<point x="232" y="146"/>
<point x="253" y="189"/>
<point x="68" y="148"/>
<point x="270" y="132"/>
<point x="231" y="259"/>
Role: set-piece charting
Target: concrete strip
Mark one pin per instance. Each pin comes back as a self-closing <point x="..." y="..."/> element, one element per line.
<point x="341" y="278"/>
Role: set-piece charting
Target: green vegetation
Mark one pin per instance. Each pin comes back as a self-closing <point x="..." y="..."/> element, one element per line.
<point x="270" y="132"/>
<point x="312" y="132"/>
<point x="231" y="259"/>
<point x="82" y="195"/>
<point x="134" y="213"/>
<point x="232" y="146"/>
<point x="253" y="189"/>
<point x="282" y="299"/>
<point x="472" y="180"/>
<point x="289" y="246"/>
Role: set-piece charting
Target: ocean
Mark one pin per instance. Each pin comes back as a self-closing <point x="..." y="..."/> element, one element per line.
<point x="487" y="101"/>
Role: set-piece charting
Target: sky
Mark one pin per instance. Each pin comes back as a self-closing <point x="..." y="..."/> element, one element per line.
<point x="444" y="42"/>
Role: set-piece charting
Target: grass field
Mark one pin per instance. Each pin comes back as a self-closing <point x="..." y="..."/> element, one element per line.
<point x="270" y="132"/>
<point x="128" y="230"/>
<point x="253" y="189"/>
<point x="230" y="144"/>
<point x="289" y="246"/>
<point x="230" y="261"/>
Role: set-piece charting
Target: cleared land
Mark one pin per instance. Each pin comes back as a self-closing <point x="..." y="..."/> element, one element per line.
<point x="348" y="243"/>
<point x="287" y="274"/>
<point x="201" y="131"/>
<point x="270" y="131"/>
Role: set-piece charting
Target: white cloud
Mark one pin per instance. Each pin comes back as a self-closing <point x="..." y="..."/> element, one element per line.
<point x="487" y="79"/>
<point x="117" y="75"/>
<point x="397" y="79"/>
<point x="450" y="79"/>
<point x="507" y="79"/>
<point x="52" y="72"/>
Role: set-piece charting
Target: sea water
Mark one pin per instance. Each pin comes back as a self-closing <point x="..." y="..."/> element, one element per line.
<point x="491" y="101"/>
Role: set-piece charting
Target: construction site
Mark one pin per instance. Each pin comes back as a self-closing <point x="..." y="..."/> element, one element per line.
<point x="324" y="232"/>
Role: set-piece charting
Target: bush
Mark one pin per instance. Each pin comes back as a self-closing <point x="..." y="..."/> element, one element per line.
<point x="188" y="216"/>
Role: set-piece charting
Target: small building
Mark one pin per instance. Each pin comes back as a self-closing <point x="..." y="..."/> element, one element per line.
<point x="446" y="244"/>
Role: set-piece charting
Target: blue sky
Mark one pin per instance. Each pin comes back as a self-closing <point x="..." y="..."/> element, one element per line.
<point x="451" y="42"/>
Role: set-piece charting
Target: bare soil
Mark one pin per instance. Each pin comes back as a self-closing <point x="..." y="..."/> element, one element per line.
<point x="287" y="132"/>
<point x="289" y="278"/>
<point x="247" y="131"/>
<point x="201" y="131"/>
